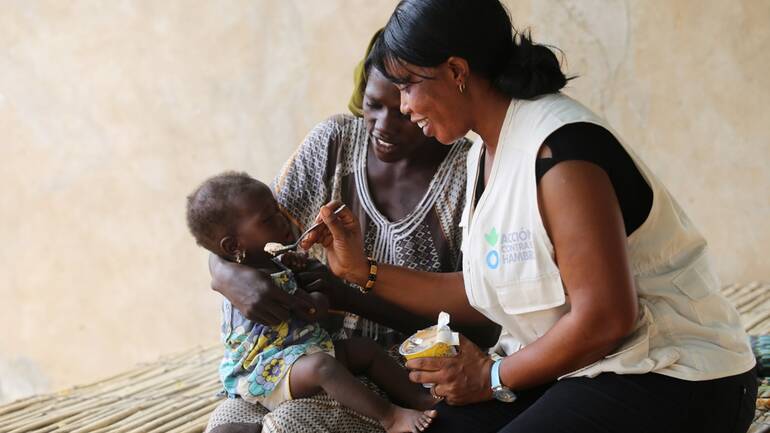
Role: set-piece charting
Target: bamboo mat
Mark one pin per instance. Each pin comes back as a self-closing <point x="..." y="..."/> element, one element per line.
<point x="753" y="303"/>
<point x="176" y="394"/>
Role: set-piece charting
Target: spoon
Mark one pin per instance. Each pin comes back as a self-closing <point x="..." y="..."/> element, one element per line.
<point x="293" y="246"/>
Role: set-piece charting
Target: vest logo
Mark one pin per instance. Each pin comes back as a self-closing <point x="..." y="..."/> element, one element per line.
<point x="491" y="237"/>
<point x="493" y="257"/>
<point x="516" y="246"/>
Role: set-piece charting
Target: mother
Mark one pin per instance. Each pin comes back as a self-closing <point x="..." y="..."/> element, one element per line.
<point x="610" y="309"/>
<point x="407" y="192"/>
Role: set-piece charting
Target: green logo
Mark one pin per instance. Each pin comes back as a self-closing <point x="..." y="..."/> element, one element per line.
<point x="492" y="237"/>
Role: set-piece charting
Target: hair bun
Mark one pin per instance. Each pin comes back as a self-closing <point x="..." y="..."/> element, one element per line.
<point x="532" y="70"/>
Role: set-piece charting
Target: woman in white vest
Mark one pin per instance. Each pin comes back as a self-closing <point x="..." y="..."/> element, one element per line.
<point x="612" y="320"/>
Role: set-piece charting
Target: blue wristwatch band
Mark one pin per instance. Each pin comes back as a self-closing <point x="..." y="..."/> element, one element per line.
<point x="495" y="373"/>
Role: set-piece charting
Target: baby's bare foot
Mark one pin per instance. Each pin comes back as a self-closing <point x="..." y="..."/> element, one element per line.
<point x="402" y="420"/>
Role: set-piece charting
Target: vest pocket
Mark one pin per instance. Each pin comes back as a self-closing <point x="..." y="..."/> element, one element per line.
<point x="698" y="279"/>
<point x="542" y="293"/>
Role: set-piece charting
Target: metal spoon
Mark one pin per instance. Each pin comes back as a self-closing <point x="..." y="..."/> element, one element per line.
<point x="293" y="246"/>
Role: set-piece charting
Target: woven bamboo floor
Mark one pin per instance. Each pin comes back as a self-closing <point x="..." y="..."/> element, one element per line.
<point x="176" y="394"/>
<point x="753" y="303"/>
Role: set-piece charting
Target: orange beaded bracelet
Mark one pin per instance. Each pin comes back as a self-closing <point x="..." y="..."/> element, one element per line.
<point x="372" y="278"/>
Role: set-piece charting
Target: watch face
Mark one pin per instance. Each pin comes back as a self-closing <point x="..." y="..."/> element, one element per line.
<point x="504" y="394"/>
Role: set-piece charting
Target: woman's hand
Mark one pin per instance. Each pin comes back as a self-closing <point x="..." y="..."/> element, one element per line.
<point x="461" y="379"/>
<point x="297" y="261"/>
<point x="323" y="281"/>
<point x="320" y="309"/>
<point x="253" y="292"/>
<point x="341" y="237"/>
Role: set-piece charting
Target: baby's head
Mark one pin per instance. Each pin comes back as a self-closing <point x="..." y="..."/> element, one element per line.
<point x="233" y="214"/>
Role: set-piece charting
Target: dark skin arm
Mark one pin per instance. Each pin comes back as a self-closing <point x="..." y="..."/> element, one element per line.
<point x="583" y="219"/>
<point x="253" y="292"/>
<point x="344" y="297"/>
<point x="409" y="289"/>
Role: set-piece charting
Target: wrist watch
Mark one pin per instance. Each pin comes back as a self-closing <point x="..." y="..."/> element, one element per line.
<point x="500" y="391"/>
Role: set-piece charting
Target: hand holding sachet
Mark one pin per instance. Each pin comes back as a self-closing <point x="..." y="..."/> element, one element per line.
<point x="437" y="341"/>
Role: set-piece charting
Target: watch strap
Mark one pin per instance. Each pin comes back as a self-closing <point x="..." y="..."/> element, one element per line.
<point x="495" y="374"/>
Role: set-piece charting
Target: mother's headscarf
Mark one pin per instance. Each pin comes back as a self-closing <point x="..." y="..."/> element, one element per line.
<point x="356" y="104"/>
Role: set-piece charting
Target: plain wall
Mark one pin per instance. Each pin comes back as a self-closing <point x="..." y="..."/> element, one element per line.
<point x="111" y="112"/>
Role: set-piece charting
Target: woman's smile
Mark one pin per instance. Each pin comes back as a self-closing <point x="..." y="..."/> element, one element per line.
<point x="424" y="124"/>
<point x="383" y="146"/>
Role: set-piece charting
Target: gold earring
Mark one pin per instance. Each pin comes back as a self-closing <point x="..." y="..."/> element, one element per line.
<point x="240" y="256"/>
<point x="462" y="87"/>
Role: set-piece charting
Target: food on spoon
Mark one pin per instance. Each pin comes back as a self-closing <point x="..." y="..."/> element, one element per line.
<point x="273" y="247"/>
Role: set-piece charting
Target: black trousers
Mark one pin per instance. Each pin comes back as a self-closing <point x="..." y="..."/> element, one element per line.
<point x="612" y="403"/>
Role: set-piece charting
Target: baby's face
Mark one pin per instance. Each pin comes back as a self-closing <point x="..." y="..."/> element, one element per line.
<point x="261" y="222"/>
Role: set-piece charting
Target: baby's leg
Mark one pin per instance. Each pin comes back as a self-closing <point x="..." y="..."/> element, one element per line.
<point x="311" y="373"/>
<point x="364" y="356"/>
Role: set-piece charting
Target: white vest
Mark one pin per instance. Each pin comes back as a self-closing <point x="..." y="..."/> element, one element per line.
<point x="685" y="329"/>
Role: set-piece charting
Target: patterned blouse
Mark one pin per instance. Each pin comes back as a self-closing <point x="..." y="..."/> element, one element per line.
<point x="257" y="356"/>
<point x="331" y="165"/>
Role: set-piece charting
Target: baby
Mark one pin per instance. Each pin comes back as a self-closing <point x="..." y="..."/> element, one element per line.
<point x="235" y="216"/>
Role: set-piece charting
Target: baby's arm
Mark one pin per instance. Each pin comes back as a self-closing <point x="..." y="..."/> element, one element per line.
<point x="321" y="305"/>
<point x="294" y="260"/>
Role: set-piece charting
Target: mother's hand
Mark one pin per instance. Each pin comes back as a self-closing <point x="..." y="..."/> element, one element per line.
<point x="461" y="379"/>
<point x="323" y="281"/>
<point x="341" y="237"/>
<point x="254" y="294"/>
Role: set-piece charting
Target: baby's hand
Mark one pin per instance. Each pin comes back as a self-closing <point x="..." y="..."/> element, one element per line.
<point x="319" y="310"/>
<point x="296" y="261"/>
<point x="321" y="306"/>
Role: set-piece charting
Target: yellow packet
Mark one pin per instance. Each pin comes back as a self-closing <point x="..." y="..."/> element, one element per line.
<point x="437" y="341"/>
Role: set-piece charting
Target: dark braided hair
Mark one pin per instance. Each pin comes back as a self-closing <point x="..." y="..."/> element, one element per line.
<point x="427" y="32"/>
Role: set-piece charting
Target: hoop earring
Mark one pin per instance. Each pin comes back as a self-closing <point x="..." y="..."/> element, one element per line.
<point x="240" y="256"/>
<point x="462" y="87"/>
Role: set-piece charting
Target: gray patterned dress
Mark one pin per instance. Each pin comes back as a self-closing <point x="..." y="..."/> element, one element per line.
<point x="330" y="164"/>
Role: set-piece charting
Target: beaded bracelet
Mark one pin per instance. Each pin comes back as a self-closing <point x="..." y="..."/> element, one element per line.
<point x="372" y="278"/>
